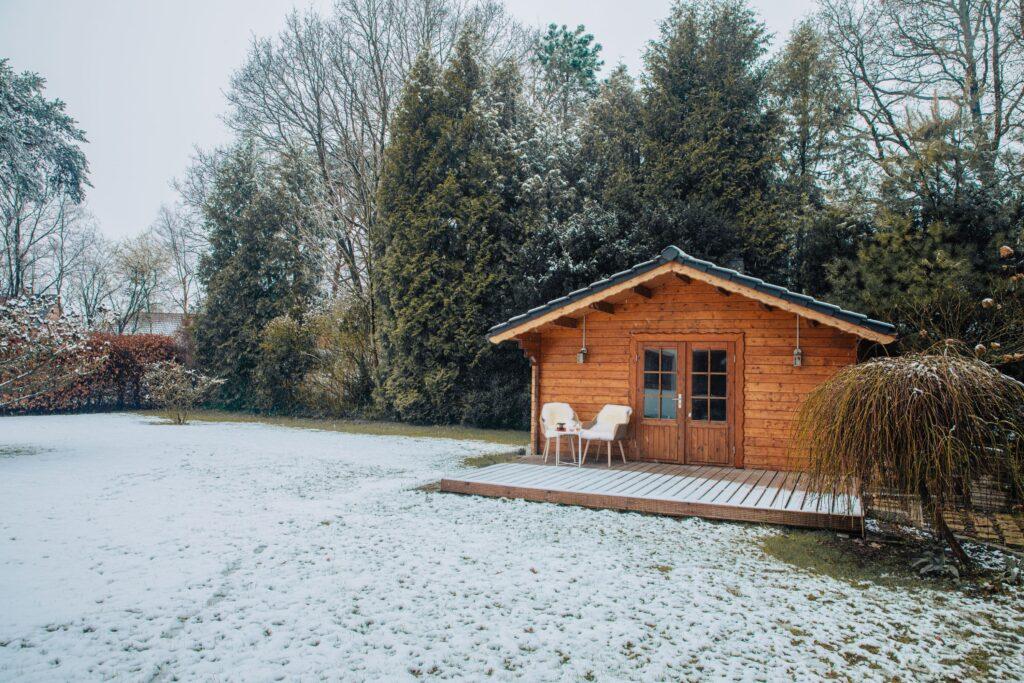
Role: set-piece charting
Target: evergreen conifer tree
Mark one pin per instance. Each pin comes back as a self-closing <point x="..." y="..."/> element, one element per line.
<point x="710" y="142"/>
<point x="254" y="270"/>
<point x="449" y="232"/>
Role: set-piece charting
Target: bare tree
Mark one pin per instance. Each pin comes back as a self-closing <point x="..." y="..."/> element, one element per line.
<point x="140" y="263"/>
<point x="182" y="243"/>
<point x="94" y="282"/>
<point x="910" y="62"/>
<point x="322" y="94"/>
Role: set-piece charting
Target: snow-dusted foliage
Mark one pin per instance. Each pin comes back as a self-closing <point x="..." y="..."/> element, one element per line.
<point x="41" y="350"/>
<point x="177" y="389"/>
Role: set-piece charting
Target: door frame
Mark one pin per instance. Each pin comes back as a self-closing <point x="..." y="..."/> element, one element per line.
<point x="637" y="339"/>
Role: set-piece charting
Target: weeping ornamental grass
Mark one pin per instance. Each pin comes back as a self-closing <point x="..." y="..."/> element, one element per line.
<point x="927" y="425"/>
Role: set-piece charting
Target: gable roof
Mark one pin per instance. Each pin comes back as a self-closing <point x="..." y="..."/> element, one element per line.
<point x="159" y="322"/>
<point x="674" y="259"/>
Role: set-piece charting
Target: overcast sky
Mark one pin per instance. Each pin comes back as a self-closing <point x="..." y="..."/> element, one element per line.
<point x="145" y="78"/>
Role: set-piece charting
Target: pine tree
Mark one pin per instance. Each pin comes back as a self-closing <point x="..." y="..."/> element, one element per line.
<point x="710" y="139"/>
<point x="567" y="227"/>
<point x="254" y="270"/>
<point x="568" y="62"/>
<point x="822" y="222"/>
<point x="448" y="235"/>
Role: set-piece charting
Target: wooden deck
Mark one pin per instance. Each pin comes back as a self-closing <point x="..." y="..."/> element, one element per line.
<point x="747" y="495"/>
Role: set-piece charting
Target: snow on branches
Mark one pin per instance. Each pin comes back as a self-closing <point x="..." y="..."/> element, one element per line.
<point x="41" y="350"/>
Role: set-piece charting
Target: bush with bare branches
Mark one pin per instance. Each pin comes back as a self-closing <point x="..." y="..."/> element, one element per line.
<point x="927" y="425"/>
<point x="176" y="389"/>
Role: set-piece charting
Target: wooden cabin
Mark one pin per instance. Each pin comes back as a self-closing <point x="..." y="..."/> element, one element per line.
<point x="715" y="363"/>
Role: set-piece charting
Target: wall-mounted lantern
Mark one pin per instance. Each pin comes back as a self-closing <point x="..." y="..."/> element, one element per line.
<point x="581" y="355"/>
<point x="798" y="353"/>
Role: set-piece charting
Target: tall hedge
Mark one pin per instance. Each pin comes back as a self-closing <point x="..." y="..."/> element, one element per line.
<point x="117" y="383"/>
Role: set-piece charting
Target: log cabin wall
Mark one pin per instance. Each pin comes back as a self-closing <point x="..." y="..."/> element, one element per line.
<point x="772" y="388"/>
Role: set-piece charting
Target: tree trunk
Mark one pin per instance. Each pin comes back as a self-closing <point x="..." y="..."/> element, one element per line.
<point x="942" y="531"/>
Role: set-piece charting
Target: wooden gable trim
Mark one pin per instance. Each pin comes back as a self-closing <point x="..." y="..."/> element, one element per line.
<point x="810" y="314"/>
<point x="585" y="302"/>
<point x="636" y="283"/>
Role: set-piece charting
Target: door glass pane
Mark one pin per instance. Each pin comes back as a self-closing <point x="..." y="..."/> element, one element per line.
<point x="699" y="409"/>
<point x="668" y="360"/>
<point x="668" y="382"/>
<point x="700" y="385"/>
<point x="700" y="361"/>
<point x="651" y="404"/>
<point x="718" y="409"/>
<point x="717" y="385"/>
<point x="718" y="361"/>
<point x="651" y="380"/>
<point x="668" y="407"/>
<point x="650" y="360"/>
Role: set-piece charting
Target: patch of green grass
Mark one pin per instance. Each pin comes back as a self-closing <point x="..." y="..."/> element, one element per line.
<point x="505" y="437"/>
<point x="980" y="660"/>
<point x="492" y="458"/>
<point x="845" y="559"/>
<point x="18" y="451"/>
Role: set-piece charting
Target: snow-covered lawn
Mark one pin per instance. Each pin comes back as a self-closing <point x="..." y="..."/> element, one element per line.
<point x="245" y="551"/>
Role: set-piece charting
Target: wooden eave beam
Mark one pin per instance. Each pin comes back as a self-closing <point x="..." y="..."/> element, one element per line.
<point x="723" y="291"/>
<point x="645" y="292"/>
<point x="565" y="322"/>
<point x="603" y="307"/>
<point x="529" y="343"/>
<point x="685" y="279"/>
<point x="767" y="307"/>
<point x="582" y="304"/>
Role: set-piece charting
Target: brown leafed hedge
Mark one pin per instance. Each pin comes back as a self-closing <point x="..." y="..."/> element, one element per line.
<point x="117" y="383"/>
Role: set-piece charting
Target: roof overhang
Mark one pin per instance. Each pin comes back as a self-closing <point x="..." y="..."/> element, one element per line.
<point x="673" y="260"/>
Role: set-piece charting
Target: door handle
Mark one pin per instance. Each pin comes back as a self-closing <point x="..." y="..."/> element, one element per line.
<point x="679" y="401"/>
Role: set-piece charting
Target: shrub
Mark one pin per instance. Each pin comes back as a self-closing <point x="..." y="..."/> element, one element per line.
<point x="929" y="425"/>
<point x="177" y="390"/>
<point x="41" y="351"/>
<point x="113" y="380"/>
<point x="286" y="354"/>
<point x="340" y="381"/>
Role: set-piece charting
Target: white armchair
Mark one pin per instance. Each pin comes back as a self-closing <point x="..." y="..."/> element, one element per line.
<point x="551" y="415"/>
<point x="611" y="424"/>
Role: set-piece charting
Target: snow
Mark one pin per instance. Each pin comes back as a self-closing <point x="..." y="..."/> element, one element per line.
<point x="137" y="550"/>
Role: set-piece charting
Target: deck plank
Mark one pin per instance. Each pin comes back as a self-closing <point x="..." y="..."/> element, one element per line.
<point x="710" y="491"/>
<point x="742" y="488"/>
<point x="757" y="490"/>
<point x="725" y="488"/>
<point x="626" y="486"/>
<point x="671" y="481"/>
<point x="622" y="480"/>
<point x="684" y="490"/>
<point x="591" y="480"/>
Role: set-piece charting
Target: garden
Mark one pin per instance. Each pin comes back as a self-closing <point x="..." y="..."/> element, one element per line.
<point x="133" y="547"/>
